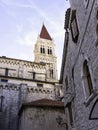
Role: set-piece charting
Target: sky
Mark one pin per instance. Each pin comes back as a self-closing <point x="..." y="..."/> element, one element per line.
<point x="21" y="22"/>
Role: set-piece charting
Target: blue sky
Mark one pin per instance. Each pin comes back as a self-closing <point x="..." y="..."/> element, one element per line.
<point x="21" y="22"/>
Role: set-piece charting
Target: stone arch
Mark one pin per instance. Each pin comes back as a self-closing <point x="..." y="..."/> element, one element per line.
<point x="94" y="111"/>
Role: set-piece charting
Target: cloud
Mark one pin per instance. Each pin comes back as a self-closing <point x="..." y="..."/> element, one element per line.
<point x="53" y="22"/>
<point x="14" y="3"/>
<point x="26" y="56"/>
<point x="50" y="19"/>
<point x="19" y="28"/>
<point x="28" y="39"/>
<point x="38" y="9"/>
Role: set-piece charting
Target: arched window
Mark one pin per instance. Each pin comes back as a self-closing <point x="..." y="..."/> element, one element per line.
<point x="42" y="49"/>
<point x="49" y="51"/>
<point x="87" y="79"/>
<point x="51" y="73"/>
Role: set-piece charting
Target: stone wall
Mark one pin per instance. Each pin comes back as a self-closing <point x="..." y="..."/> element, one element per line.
<point x="22" y="69"/>
<point x="77" y="53"/>
<point x="37" y="118"/>
<point x="24" y="81"/>
<point x="13" y="97"/>
<point x="10" y="106"/>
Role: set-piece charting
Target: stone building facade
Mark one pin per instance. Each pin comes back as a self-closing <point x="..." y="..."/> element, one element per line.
<point x="79" y="71"/>
<point x="25" y="81"/>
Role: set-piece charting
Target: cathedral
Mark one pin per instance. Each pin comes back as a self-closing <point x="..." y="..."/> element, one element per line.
<point x="30" y="91"/>
<point x="79" y="69"/>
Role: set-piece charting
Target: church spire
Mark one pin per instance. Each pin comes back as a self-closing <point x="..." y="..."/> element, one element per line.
<point x="44" y="33"/>
<point x="44" y="52"/>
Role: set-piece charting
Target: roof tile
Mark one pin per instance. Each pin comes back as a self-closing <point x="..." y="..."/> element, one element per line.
<point x="44" y="33"/>
<point x="45" y="102"/>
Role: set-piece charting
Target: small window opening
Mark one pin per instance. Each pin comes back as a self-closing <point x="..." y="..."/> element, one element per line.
<point x="42" y="49"/>
<point x="6" y="72"/>
<point x="39" y="85"/>
<point x="97" y="15"/>
<point x="33" y="75"/>
<point x="66" y="83"/>
<point x="49" y="50"/>
<point x="97" y="29"/>
<point x="69" y="105"/>
<point x="4" y="80"/>
<point x="1" y="103"/>
<point x="51" y="73"/>
<point x="87" y="79"/>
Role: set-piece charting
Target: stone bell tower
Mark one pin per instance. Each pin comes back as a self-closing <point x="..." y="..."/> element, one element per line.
<point x="44" y="52"/>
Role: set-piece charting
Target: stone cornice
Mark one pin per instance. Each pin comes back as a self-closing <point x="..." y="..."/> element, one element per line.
<point x="11" y="61"/>
<point x="10" y="86"/>
<point x="30" y="89"/>
<point x="40" y="90"/>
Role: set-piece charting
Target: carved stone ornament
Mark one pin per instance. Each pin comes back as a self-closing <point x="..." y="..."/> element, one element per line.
<point x="74" y="27"/>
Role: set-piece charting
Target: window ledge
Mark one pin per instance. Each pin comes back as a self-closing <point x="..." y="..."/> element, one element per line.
<point x="91" y="97"/>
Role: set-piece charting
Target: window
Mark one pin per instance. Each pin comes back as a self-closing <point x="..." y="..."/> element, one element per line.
<point x="69" y="106"/>
<point x="87" y="79"/>
<point x="4" y="80"/>
<point x="6" y="72"/>
<point x="33" y="75"/>
<point x="1" y="103"/>
<point x="73" y="73"/>
<point x="97" y="23"/>
<point x="97" y="15"/>
<point x="97" y="29"/>
<point x="66" y="83"/>
<point x="51" y="73"/>
<point x="42" y="49"/>
<point x="49" y="50"/>
<point x="74" y="27"/>
<point x="39" y="85"/>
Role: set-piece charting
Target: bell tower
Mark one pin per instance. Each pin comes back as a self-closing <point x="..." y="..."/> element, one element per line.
<point x="44" y="52"/>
